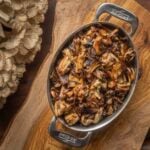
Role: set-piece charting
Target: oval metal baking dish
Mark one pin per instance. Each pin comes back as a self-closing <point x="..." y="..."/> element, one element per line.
<point x="122" y="14"/>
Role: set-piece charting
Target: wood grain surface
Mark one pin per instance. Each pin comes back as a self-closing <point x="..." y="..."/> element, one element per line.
<point x="144" y="3"/>
<point x="29" y="127"/>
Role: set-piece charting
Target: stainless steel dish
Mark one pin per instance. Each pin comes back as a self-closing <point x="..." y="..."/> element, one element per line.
<point x="122" y="14"/>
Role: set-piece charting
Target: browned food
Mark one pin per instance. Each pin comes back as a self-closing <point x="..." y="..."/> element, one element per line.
<point x="93" y="76"/>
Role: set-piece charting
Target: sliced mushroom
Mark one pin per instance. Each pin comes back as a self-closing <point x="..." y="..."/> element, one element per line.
<point x="113" y="33"/>
<point x="107" y="41"/>
<point x="79" y="61"/>
<point x="65" y="63"/>
<point x="103" y="32"/>
<point x="111" y="84"/>
<point x="110" y="110"/>
<point x="130" y="74"/>
<point x="98" y="116"/>
<point x="116" y="71"/>
<point x="4" y="16"/>
<point x="72" y="118"/>
<point x="86" y="120"/>
<point x="95" y="84"/>
<point x="108" y="59"/>
<point x="61" y="108"/>
<point x="75" y="79"/>
<point x="129" y="55"/>
<point x="96" y="45"/>
<point x="92" y="67"/>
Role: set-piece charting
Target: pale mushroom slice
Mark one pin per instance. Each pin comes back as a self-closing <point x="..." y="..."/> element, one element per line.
<point x="110" y="110"/>
<point x="112" y="84"/>
<point x="98" y="116"/>
<point x="95" y="84"/>
<point x="96" y="45"/>
<point x="61" y="107"/>
<point x="107" y="41"/>
<point x="103" y="32"/>
<point x="79" y="60"/>
<point x="129" y="55"/>
<point x="64" y="64"/>
<point x="86" y="120"/>
<point x="113" y="33"/>
<point x="4" y="16"/>
<point x="89" y="119"/>
<point x="123" y="84"/>
<point x="130" y="74"/>
<point x="108" y="59"/>
<point x="115" y="71"/>
<point x="71" y="118"/>
<point x="74" y="80"/>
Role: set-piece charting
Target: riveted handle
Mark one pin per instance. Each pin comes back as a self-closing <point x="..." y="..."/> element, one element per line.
<point x="66" y="137"/>
<point x="120" y="13"/>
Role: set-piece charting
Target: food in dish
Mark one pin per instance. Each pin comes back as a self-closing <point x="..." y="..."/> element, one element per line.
<point x="92" y="76"/>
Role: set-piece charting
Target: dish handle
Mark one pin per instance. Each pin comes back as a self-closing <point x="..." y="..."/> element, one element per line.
<point x="120" y="13"/>
<point x="68" y="138"/>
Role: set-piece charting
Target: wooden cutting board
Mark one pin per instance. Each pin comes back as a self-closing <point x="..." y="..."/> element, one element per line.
<point x="29" y="127"/>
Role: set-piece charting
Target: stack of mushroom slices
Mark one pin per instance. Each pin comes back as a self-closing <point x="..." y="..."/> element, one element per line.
<point x="20" y="40"/>
<point x="93" y="76"/>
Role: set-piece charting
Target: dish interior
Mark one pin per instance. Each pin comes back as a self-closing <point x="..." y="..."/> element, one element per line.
<point x="106" y="120"/>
